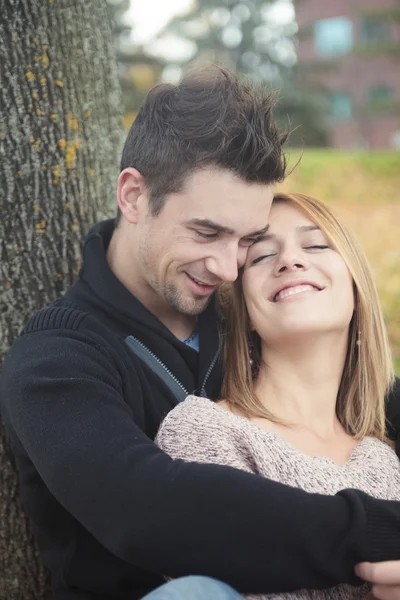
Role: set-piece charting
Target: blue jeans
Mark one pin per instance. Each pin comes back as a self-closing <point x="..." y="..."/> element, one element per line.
<point x="194" y="587"/>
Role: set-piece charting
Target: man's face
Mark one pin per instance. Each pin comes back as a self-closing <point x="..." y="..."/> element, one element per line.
<point x="199" y="239"/>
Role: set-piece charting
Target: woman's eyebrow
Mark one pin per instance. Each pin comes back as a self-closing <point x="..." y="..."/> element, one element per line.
<point x="299" y="229"/>
<point x="304" y="228"/>
<point x="263" y="238"/>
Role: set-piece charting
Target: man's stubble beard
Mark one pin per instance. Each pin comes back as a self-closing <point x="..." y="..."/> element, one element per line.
<point x="170" y="292"/>
<point x="182" y="305"/>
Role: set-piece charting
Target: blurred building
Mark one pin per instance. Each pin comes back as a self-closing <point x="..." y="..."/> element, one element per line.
<point x="350" y="51"/>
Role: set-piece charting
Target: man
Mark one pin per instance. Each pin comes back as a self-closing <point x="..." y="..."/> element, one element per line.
<point x="88" y="382"/>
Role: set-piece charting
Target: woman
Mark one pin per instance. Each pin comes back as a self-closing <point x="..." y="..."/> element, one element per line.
<point x="307" y="368"/>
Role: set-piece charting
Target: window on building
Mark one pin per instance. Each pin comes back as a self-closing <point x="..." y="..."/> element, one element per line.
<point x="381" y="98"/>
<point x="374" y="30"/>
<point x="340" y="105"/>
<point x="333" y="37"/>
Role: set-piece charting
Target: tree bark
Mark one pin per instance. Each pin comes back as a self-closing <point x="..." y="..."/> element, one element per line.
<point x="60" y="139"/>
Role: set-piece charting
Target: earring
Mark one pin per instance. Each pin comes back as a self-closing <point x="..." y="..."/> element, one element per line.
<point x="358" y="342"/>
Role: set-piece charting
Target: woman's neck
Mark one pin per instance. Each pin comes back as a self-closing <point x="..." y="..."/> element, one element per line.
<point x="299" y="382"/>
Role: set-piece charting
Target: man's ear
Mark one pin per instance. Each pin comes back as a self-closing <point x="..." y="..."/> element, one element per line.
<point x="130" y="188"/>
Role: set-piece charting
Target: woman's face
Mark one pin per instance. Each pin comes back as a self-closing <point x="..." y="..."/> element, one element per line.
<point x="294" y="282"/>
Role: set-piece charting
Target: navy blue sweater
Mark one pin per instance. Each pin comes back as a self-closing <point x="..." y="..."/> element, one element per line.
<point x="110" y="511"/>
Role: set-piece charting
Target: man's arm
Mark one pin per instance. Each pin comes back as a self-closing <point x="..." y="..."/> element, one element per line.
<point x="393" y="413"/>
<point x="63" y="399"/>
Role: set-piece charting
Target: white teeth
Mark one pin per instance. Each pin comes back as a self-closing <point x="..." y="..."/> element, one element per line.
<point x="297" y="289"/>
<point x="202" y="283"/>
<point x="198" y="282"/>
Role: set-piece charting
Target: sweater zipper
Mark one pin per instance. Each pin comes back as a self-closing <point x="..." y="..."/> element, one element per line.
<point x="162" y="365"/>
<point x="210" y="368"/>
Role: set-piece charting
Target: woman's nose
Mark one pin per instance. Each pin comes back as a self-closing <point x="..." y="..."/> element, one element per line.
<point x="291" y="259"/>
<point x="291" y="267"/>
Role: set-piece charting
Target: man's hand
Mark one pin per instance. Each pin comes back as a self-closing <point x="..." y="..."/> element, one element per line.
<point x="384" y="576"/>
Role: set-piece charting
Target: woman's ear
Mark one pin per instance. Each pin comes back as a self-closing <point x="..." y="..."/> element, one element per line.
<point x="130" y="188"/>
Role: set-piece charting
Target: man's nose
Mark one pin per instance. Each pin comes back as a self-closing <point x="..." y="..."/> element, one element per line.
<point x="242" y="255"/>
<point x="224" y="264"/>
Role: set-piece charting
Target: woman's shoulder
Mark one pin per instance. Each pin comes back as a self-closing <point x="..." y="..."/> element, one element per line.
<point x="380" y="451"/>
<point x="200" y="418"/>
<point x="200" y="430"/>
<point x="195" y="409"/>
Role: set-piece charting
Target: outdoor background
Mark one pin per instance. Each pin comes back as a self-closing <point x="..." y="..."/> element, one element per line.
<point x="337" y="66"/>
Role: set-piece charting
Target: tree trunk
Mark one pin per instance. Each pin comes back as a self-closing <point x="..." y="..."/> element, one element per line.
<point x="60" y="140"/>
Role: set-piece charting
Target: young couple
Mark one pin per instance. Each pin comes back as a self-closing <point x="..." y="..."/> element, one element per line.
<point x="306" y="364"/>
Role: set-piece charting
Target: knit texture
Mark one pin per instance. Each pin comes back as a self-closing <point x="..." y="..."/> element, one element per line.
<point x="201" y="431"/>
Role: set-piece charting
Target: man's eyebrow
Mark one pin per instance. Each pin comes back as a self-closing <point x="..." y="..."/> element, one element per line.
<point x="300" y="229"/>
<point x="209" y="224"/>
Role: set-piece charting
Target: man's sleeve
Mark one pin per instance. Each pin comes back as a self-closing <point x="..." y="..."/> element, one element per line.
<point x="62" y="398"/>
<point x="393" y="413"/>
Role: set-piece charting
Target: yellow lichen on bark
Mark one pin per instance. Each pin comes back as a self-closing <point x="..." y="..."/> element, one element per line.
<point x="70" y="155"/>
<point x="56" y="173"/>
<point x="44" y="57"/>
<point x="70" y="149"/>
<point x="73" y="122"/>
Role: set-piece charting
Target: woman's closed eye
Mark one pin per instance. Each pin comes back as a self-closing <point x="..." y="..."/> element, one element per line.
<point x="316" y="247"/>
<point x="262" y="257"/>
<point x="271" y="254"/>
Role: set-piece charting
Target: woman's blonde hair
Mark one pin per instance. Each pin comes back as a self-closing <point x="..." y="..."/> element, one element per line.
<point x="368" y="371"/>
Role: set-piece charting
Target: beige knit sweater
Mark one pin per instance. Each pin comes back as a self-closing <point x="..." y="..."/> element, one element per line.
<point x="201" y="431"/>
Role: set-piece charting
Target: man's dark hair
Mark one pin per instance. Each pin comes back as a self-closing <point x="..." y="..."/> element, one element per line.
<point x="212" y="118"/>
